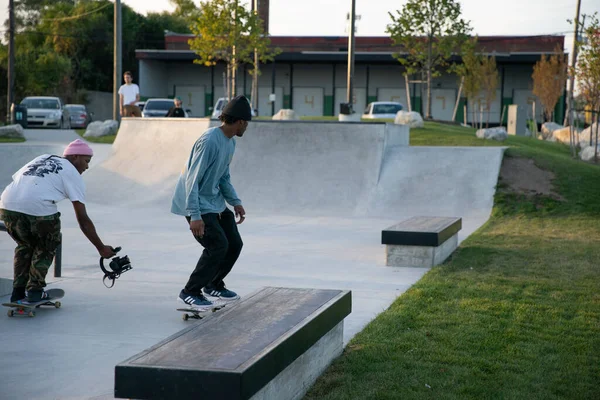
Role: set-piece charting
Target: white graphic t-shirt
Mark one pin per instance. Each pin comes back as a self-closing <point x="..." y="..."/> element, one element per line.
<point x="129" y="93"/>
<point x="40" y="184"/>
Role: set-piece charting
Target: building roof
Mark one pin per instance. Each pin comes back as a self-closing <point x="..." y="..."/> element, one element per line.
<point x="378" y="49"/>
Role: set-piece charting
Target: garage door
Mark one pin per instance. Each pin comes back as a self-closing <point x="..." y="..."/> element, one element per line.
<point x="359" y="99"/>
<point x="308" y="101"/>
<point x="442" y="104"/>
<point x="525" y="99"/>
<point x="493" y="112"/>
<point x="264" y="105"/>
<point x="192" y="98"/>
<point x="391" y="94"/>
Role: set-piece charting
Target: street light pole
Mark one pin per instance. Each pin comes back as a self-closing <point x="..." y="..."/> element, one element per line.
<point x="350" y="87"/>
<point x="117" y="61"/>
<point x="11" y="59"/>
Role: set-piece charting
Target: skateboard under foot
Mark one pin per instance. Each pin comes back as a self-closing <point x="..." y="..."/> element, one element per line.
<point x="28" y="309"/>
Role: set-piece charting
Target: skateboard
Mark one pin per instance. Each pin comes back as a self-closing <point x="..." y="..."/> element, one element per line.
<point x="198" y="314"/>
<point x="28" y="309"/>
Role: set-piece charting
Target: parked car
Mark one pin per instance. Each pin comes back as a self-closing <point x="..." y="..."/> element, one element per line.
<point x="219" y="105"/>
<point x="141" y="105"/>
<point x="158" y="108"/>
<point x="382" y="109"/>
<point x="80" y="117"/>
<point x="46" y="111"/>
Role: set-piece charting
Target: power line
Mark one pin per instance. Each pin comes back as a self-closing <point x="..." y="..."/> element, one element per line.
<point x="78" y="15"/>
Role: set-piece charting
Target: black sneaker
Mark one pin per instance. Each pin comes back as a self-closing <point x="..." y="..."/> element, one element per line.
<point x="223" y="294"/>
<point x="199" y="303"/>
<point x="18" y="294"/>
<point x="34" y="296"/>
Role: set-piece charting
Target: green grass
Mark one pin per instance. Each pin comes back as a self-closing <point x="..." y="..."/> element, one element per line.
<point x="515" y="312"/>
<point x="109" y="139"/>
<point x="11" y="140"/>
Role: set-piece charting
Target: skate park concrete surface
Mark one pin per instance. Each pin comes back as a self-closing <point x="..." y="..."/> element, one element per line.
<point x="317" y="196"/>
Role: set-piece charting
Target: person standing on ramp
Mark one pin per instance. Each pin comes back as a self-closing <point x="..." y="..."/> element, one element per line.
<point x="200" y="195"/>
<point x="28" y="209"/>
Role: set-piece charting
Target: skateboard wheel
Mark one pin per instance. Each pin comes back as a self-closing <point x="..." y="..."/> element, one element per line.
<point x="11" y="313"/>
<point x="31" y="314"/>
<point x="57" y="304"/>
<point x="185" y="317"/>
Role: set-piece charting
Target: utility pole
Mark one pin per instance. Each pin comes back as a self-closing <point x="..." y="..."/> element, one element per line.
<point x="571" y="98"/>
<point x="254" y="96"/>
<point x="117" y="67"/>
<point x="350" y="87"/>
<point x="11" y="58"/>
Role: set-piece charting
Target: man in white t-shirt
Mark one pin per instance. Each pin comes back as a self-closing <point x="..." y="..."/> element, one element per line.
<point x="129" y="94"/>
<point x="28" y="209"/>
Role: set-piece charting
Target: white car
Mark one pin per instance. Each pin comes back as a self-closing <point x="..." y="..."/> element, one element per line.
<point x="46" y="111"/>
<point x="382" y="109"/>
<point x="158" y="108"/>
<point x="219" y="105"/>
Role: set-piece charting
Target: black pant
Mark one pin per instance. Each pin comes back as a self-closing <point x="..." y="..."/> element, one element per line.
<point x="222" y="246"/>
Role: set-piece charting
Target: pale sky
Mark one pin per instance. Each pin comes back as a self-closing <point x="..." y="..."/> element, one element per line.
<point x="327" y="17"/>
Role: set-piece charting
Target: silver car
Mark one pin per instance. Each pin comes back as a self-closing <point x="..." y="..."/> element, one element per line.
<point x="46" y="112"/>
<point x="158" y="108"/>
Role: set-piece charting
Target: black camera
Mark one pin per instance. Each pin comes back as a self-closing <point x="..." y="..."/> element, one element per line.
<point x="118" y="265"/>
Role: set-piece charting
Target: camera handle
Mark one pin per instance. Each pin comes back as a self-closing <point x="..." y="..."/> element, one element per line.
<point x="118" y="266"/>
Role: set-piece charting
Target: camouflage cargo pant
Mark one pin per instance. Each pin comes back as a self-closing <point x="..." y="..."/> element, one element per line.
<point x="37" y="239"/>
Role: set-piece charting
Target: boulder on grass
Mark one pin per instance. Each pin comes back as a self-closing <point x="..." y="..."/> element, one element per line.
<point x="12" y="132"/>
<point x="584" y="137"/>
<point x="587" y="154"/>
<point x="412" y="119"/>
<point x="99" y="128"/>
<point x="286" y="115"/>
<point x="498" y="134"/>
<point x="548" y="128"/>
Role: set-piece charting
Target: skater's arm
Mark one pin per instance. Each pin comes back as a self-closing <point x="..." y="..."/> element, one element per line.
<point x="203" y="157"/>
<point x="89" y="230"/>
<point x="227" y="189"/>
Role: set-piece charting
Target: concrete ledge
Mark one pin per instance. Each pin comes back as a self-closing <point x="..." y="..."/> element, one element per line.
<point x="421" y="241"/>
<point x="420" y="256"/>
<point x="271" y="345"/>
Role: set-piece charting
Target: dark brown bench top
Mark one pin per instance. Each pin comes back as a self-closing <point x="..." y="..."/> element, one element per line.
<point x="422" y="231"/>
<point x="236" y="351"/>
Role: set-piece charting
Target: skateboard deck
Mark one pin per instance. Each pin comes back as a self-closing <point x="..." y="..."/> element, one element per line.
<point x="28" y="309"/>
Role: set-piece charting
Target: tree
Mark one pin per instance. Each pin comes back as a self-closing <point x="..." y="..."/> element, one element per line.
<point x="588" y="73"/>
<point x="429" y="32"/>
<point x="226" y="31"/>
<point x="489" y="83"/>
<point x="470" y="72"/>
<point x="549" y="80"/>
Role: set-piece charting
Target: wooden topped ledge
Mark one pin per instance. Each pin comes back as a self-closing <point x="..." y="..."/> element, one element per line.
<point x="243" y="350"/>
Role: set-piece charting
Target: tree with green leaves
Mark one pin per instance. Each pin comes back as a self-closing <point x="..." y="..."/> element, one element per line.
<point x="429" y="32"/>
<point x="489" y="83"/>
<point x="227" y="31"/>
<point x="549" y="80"/>
<point x="470" y="72"/>
<point x="588" y="73"/>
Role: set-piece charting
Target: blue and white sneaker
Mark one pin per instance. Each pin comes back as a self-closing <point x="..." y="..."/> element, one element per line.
<point x="222" y="294"/>
<point x="199" y="303"/>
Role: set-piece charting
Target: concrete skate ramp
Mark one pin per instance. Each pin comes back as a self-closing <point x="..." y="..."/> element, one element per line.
<point x="306" y="168"/>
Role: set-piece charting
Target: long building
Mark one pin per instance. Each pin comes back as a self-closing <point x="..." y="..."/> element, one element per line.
<point x="309" y="76"/>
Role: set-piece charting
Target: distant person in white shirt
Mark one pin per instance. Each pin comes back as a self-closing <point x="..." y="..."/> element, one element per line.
<point x="129" y="94"/>
<point x="28" y="209"/>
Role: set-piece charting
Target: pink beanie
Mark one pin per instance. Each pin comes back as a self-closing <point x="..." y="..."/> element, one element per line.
<point x="78" y="148"/>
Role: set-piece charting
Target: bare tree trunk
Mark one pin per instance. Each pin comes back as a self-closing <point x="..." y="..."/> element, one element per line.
<point x="596" y="144"/>
<point x="429" y="56"/>
<point x="462" y="81"/>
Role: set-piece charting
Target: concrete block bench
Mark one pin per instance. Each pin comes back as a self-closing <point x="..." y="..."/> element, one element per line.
<point x="421" y="241"/>
<point x="272" y="344"/>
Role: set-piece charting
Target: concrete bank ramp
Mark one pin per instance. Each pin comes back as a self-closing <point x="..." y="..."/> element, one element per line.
<point x="306" y="168"/>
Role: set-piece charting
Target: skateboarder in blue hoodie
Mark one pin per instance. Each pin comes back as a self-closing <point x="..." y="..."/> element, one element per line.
<point x="200" y="195"/>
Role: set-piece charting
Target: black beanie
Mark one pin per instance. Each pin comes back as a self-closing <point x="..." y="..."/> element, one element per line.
<point x="238" y="108"/>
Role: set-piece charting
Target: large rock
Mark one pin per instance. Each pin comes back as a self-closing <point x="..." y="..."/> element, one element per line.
<point x="498" y="134"/>
<point x="548" y="128"/>
<point x="286" y="115"/>
<point x="584" y="137"/>
<point x="412" y="119"/>
<point x="99" y="128"/>
<point x="587" y="154"/>
<point x="563" y="136"/>
<point x="12" y="132"/>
